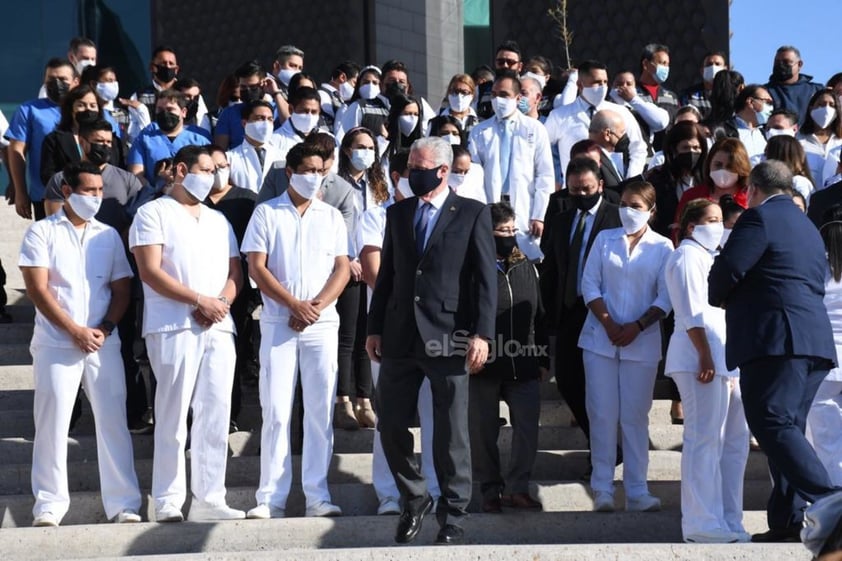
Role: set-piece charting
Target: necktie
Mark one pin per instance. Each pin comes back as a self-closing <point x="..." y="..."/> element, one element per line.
<point x="591" y="111"/>
<point x="421" y="228"/>
<point x="572" y="280"/>
<point x="261" y="155"/>
<point x="505" y="153"/>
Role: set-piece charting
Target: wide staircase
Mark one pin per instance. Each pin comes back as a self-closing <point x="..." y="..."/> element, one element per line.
<point x="566" y="530"/>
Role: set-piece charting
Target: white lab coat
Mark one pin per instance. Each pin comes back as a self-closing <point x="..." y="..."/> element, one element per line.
<point x="246" y="171"/>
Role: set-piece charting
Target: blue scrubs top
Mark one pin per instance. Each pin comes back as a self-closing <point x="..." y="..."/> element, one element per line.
<point x="30" y="124"/>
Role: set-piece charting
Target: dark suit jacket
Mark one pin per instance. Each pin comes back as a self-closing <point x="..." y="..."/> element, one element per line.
<point x="770" y="279"/>
<point x="822" y="200"/>
<point x="557" y="254"/>
<point x="611" y="180"/>
<point x="59" y="149"/>
<point x="445" y="296"/>
<point x="560" y="202"/>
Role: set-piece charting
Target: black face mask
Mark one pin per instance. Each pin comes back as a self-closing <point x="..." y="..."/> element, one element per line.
<point x="192" y="109"/>
<point x="167" y="121"/>
<point x="250" y="93"/>
<point x="394" y="89"/>
<point x="422" y="181"/>
<point x="585" y="202"/>
<point x="165" y="74"/>
<point x="99" y="154"/>
<point x="505" y="245"/>
<point x="685" y="162"/>
<point x="781" y="72"/>
<point x="56" y="89"/>
<point x="622" y="145"/>
<point x="86" y="117"/>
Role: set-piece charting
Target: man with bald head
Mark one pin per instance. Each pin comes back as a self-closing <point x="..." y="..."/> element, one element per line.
<point x="608" y="130"/>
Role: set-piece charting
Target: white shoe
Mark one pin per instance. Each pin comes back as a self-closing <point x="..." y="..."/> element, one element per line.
<point x="127" y="516"/>
<point x="169" y="513"/>
<point x="45" y="520"/>
<point x="389" y="505"/>
<point x="323" y="508"/>
<point x="713" y="536"/>
<point x="200" y="512"/>
<point x="603" y="502"/>
<point x="643" y="503"/>
<point x="265" y="511"/>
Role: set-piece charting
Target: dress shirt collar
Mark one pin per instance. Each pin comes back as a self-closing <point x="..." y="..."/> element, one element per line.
<point x="438" y="200"/>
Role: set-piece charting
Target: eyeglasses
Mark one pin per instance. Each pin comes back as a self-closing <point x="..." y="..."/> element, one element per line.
<point x="767" y="100"/>
<point x="507" y="62"/>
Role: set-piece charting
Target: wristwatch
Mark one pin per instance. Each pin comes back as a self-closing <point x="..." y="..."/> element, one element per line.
<point x="107" y="327"/>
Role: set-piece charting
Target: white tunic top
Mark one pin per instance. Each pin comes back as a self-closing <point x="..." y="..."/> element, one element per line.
<point x="81" y="267"/>
<point x="196" y="253"/>
<point x="833" y="303"/>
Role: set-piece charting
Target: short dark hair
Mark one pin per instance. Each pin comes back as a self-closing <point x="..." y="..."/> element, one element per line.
<point x="187" y="83"/>
<point x="650" y="50"/>
<point x="583" y="147"/>
<point x="588" y="66"/>
<point x="94" y="72"/>
<point x="482" y="72"/>
<point x="77" y="42"/>
<point x="214" y="148"/>
<point x="304" y="94"/>
<point x="248" y="108"/>
<point x="248" y="69"/>
<point x="162" y="49"/>
<point x="189" y="155"/>
<point x="324" y="143"/>
<point x="300" y="151"/>
<point x="459" y="151"/>
<point x="580" y="165"/>
<point x="399" y="160"/>
<point x="394" y="65"/>
<point x="174" y="95"/>
<point x="510" y="46"/>
<point x="791" y="115"/>
<point x="771" y="177"/>
<point x="501" y="212"/>
<point x="58" y="62"/>
<point x="72" y="172"/>
<point x="349" y="68"/>
<point x="508" y="74"/>
<point x="86" y="129"/>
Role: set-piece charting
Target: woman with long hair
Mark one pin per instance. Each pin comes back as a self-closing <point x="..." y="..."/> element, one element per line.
<point x="791" y="152"/>
<point x="405" y="122"/>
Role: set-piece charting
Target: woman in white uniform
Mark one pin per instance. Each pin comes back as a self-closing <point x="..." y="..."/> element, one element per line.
<point x="824" y="423"/>
<point x="623" y="286"/>
<point x="715" y="446"/>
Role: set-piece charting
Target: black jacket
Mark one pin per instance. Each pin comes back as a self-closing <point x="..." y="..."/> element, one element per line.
<point x="520" y="344"/>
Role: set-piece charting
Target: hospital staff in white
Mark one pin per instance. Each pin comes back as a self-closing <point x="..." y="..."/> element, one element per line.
<point x="624" y="288"/>
<point x="715" y="445"/>
<point x="297" y="249"/>
<point x="369" y="238"/>
<point x="190" y="266"/>
<point x="77" y="275"/>
<point x="251" y="161"/>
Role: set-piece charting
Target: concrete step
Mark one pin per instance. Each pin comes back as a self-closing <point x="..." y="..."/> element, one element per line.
<point x="244" y="471"/>
<point x="12" y="354"/>
<point x="237" y="539"/>
<point x="359" y="499"/>
<point x="16" y="333"/>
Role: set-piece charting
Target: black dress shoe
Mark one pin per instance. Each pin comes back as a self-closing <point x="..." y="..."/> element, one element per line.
<point x="449" y="535"/>
<point x="410" y="522"/>
<point x="492" y="505"/>
<point x="791" y="534"/>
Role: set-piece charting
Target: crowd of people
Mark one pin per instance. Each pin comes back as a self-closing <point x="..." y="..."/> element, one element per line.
<point x="424" y="258"/>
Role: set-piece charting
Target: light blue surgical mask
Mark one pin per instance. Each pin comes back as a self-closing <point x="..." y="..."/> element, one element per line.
<point x="523" y="105"/>
<point x="662" y="72"/>
<point x="764" y="114"/>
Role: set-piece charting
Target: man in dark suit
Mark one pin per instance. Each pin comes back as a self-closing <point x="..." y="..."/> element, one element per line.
<point x="770" y="280"/>
<point x="432" y="314"/>
<point x="822" y="200"/>
<point x="566" y="248"/>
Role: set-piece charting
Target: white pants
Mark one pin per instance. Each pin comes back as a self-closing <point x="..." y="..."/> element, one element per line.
<point x="824" y="427"/>
<point x="713" y="456"/>
<point x="381" y="475"/>
<point x="283" y="353"/>
<point x="619" y="392"/>
<point x="57" y="374"/>
<point x="194" y="369"/>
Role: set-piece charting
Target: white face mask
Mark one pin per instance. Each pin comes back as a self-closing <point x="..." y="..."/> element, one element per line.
<point x="710" y="71"/>
<point x="542" y="80"/>
<point x="504" y="106"/>
<point x="778" y="132"/>
<point x="198" y="185"/>
<point x="708" y="235"/>
<point x="726" y="233"/>
<point x="346" y="91"/>
<point x="404" y="188"/>
<point x="286" y="74"/>
<point x="108" y="90"/>
<point x="456" y="180"/>
<point x="594" y="94"/>
<point x="84" y="206"/>
<point x="407" y="124"/>
<point x="259" y="131"/>
<point x="633" y="220"/>
<point x="369" y="91"/>
<point x="459" y="102"/>
<point x="220" y="179"/>
<point x="362" y="158"/>
<point x="723" y="178"/>
<point x="306" y="184"/>
<point x="304" y="122"/>
<point x="453" y="139"/>
<point x="823" y="116"/>
<point x="81" y="65"/>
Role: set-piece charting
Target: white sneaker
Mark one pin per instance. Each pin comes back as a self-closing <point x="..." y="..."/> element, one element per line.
<point x="45" y="520"/>
<point x="169" y="513"/>
<point x="643" y="503"/>
<point x="603" y="502"/>
<point x="265" y="511"/>
<point x="127" y="516"/>
<point x="323" y="508"/>
<point x="712" y="536"/>
<point x="200" y="512"/>
<point x="389" y="505"/>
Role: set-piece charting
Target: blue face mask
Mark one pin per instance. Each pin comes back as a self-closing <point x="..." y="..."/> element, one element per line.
<point x="523" y="105"/>
<point x="764" y="114"/>
<point x="662" y="72"/>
